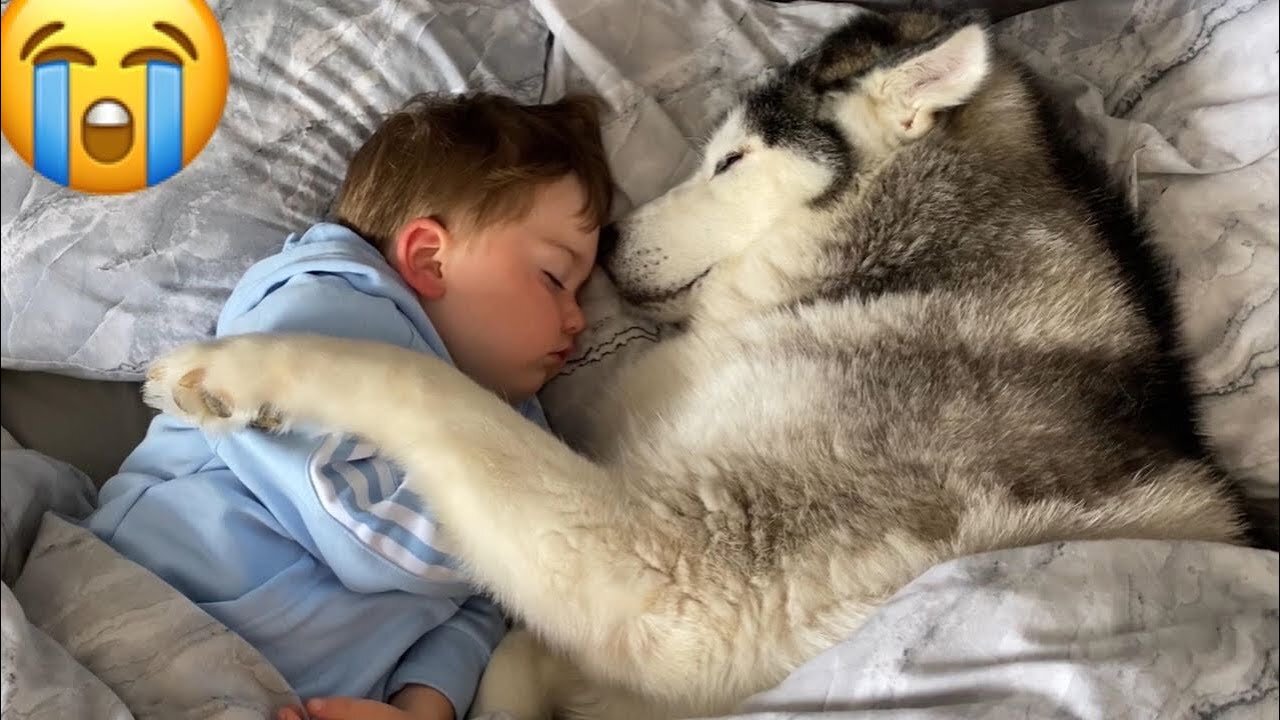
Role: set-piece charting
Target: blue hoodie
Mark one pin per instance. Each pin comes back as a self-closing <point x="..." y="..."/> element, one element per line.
<point x="306" y="545"/>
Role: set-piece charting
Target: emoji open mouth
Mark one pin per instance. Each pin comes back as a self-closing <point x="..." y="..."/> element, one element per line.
<point x="107" y="131"/>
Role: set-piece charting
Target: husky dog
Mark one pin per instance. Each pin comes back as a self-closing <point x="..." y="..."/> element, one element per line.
<point x="916" y="324"/>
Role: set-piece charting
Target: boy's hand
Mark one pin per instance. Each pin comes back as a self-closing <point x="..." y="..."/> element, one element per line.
<point x="414" y="702"/>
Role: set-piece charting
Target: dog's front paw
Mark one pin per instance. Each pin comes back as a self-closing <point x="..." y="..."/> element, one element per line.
<point x="219" y="386"/>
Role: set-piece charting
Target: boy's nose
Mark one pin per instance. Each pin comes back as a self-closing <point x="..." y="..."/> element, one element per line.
<point x="574" y="320"/>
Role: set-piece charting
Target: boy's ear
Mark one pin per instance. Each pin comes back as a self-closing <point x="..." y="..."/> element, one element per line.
<point x="416" y="254"/>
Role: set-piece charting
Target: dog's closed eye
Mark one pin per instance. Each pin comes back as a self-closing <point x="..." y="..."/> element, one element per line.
<point x="727" y="161"/>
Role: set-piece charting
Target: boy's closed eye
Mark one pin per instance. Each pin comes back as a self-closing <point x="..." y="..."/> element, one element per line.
<point x="553" y="279"/>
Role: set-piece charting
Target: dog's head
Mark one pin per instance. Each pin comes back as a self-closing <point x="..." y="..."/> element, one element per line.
<point x="740" y="234"/>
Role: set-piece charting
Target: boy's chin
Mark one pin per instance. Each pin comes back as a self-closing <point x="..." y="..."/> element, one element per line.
<point x="525" y="388"/>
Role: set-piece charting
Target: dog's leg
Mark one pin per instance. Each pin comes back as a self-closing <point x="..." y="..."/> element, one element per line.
<point x="520" y="679"/>
<point x="529" y="681"/>
<point x="542" y="527"/>
<point x="525" y="679"/>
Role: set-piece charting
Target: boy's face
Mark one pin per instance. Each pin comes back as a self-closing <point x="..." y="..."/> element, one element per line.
<point x="509" y="311"/>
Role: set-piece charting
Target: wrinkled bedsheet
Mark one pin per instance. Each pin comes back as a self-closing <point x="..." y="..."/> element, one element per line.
<point x="89" y="635"/>
<point x="1081" y="630"/>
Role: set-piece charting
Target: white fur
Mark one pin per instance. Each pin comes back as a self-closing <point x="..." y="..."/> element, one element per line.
<point x="749" y="228"/>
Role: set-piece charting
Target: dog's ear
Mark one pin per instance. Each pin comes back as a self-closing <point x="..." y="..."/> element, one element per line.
<point x="912" y="91"/>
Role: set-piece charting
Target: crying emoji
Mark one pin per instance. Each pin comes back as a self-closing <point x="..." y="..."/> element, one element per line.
<point x="110" y="96"/>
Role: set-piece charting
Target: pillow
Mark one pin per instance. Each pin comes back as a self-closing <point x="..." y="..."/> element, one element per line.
<point x="97" y="286"/>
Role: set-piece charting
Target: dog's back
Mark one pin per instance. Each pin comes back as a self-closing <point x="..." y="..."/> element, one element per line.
<point x="1033" y="346"/>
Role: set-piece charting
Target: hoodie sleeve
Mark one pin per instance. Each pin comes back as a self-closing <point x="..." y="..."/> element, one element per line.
<point x="452" y="657"/>
<point x="371" y="531"/>
<point x="335" y="494"/>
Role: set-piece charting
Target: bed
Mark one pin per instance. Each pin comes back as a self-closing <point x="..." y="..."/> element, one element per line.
<point x="1180" y="97"/>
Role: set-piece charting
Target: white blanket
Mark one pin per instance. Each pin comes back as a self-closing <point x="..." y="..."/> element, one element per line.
<point x="90" y="635"/>
<point x="1096" y="630"/>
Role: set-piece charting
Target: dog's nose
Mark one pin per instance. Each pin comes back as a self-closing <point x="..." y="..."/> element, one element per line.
<point x="607" y="244"/>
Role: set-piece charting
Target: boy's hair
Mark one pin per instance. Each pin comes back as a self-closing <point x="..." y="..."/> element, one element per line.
<point x="473" y="159"/>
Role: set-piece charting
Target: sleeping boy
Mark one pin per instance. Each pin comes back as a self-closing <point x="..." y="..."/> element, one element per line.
<point x="464" y="228"/>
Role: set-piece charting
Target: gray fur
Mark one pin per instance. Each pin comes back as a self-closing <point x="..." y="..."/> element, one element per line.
<point x="986" y="221"/>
